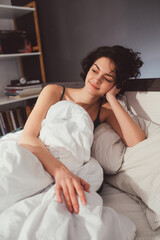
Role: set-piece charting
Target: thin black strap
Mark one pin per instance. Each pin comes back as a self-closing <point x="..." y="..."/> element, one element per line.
<point x="100" y="104"/>
<point x="62" y="93"/>
<point x="97" y="120"/>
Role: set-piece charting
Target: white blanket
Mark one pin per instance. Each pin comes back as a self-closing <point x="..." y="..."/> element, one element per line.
<point x="28" y="204"/>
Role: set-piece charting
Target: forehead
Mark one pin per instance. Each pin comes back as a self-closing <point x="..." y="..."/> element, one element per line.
<point x="105" y="63"/>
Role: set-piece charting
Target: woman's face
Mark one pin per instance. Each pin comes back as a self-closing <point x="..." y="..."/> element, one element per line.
<point x="101" y="76"/>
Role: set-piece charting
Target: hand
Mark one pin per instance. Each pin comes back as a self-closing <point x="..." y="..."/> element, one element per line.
<point x="112" y="92"/>
<point x="71" y="186"/>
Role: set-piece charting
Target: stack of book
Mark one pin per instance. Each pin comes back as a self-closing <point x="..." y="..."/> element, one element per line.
<point x="12" y="119"/>
<point x="23" y="90"/>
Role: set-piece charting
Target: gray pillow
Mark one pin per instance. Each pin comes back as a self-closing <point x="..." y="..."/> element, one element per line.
<point x="108" y="148"/>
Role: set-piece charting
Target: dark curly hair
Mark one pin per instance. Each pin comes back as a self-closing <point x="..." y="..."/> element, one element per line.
<point x="127" y="62"/>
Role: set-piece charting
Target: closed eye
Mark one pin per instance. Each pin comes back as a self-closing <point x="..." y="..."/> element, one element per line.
<point x="108" y="80"/>
<point x="95" y="71"/>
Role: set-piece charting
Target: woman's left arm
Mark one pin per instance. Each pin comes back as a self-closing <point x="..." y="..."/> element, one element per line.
<point x="121" y="122"/>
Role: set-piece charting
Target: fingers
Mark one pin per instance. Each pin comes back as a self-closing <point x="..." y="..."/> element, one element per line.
<point x="70" y="189"/>
<point x="85" y="185"/>
<point x="117" y="90"/>
<point x="75" y="189"/>
<point x="114" y="90"/>
<point x="67" y="199"/>
<point x="80" y="192"/>
<point x="74" y="198"/>
<point x="112" y="93"/>
<point x="58" y="193"/>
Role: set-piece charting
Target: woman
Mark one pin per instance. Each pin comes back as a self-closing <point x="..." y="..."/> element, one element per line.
<point x="105" y="72"/>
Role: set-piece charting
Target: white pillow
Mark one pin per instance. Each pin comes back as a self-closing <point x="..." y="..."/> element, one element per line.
<point x="137" y="168"/>
<point x="139" y="173"/>
<point x="139" y="176"/>
<point x="145" y="104"/>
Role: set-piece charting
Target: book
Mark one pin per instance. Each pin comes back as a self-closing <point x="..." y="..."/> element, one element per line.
<point x="24" y="95"/>
<point x="28" y="110"/>
<point x="4" y="131"/>
<point x="19" y="116"/>
<point x="31" y="90"/>
<point x="0" y="133"/>
<point x="22" y="87"/>
<point x="6" y="121"/>
<point x="14" y="93"/>
<point x="15" y="117"/>
<point x="9" y="120"/>
<point x="22" y="92"/>
<point x="13" y="120"/>
<point x="22" y="115"/>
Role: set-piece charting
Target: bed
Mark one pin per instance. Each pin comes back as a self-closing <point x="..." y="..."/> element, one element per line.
<point x="143" y="98"/>
<point x="29" y="209"/>
<point x="27" y="212"/>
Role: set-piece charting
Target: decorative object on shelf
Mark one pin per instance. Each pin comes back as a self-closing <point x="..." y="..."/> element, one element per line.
<point x="14" y="41"/>
<point x="23" y="82"/>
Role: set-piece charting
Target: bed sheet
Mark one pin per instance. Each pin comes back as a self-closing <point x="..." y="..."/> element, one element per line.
<point x="31" y="211"/>
<point x="124" y="204"/>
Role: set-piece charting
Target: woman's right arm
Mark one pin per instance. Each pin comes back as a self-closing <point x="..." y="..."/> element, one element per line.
<point x="66" y="182"/>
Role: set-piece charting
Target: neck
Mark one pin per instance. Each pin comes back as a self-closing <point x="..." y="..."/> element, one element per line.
<point x="85" y="99"/>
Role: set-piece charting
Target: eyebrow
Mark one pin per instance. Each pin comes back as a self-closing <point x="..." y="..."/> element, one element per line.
<point x="105" y="73"/>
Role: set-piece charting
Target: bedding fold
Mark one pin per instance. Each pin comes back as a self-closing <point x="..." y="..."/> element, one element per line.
<point x="29" y="208"/>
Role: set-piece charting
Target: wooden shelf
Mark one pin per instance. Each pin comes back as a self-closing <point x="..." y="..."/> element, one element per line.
<point x="13" y="55"/>
<point x="5" y="100"/>
<point x="12" y="12"/>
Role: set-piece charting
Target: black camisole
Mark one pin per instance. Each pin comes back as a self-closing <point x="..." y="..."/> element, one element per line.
<point x="97" y="120"/>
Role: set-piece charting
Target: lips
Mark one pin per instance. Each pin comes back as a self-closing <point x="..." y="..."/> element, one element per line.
<point x="95" y="87"/>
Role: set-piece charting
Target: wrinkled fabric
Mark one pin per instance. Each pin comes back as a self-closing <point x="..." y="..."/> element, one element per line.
<point x="29" y="208"/>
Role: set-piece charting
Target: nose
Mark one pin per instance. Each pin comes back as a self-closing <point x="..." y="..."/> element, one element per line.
<point x="98" y="79"/>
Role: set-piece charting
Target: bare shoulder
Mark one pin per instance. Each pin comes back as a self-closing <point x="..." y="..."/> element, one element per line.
<point x="48" y="96"/>
<point x="52" y="90"/>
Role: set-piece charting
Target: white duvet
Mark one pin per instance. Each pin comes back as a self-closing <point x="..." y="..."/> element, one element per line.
<point x="28" y="206"/>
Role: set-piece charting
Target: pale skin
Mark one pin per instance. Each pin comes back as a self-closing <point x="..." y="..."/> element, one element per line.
<point x="100" y="80"/>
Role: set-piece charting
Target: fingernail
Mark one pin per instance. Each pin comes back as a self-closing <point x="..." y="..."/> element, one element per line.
<point x="84" y="202"/>
<point x="70" y="209"/>
<point x="76" y="210"/>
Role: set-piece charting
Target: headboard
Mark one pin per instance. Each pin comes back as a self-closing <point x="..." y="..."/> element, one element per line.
<point x="144" y="98"/>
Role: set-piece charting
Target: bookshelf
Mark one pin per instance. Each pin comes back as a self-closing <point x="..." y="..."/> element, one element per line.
<point x="15" y="111"/>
